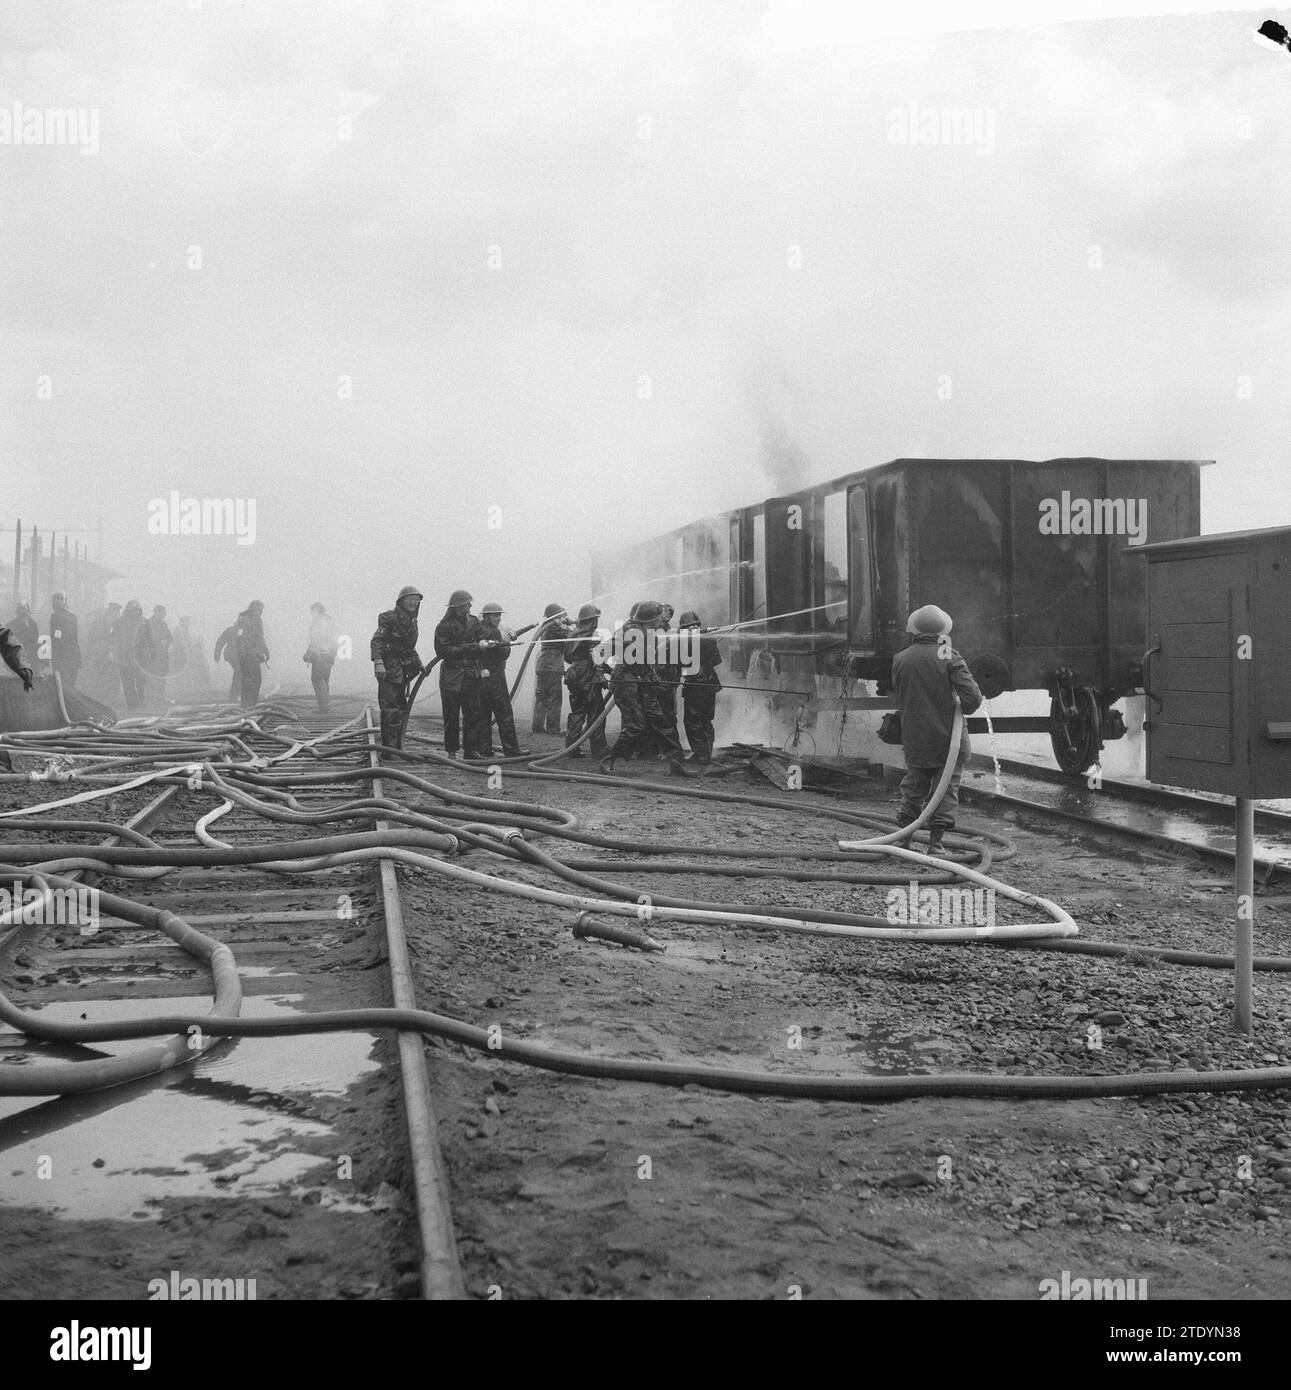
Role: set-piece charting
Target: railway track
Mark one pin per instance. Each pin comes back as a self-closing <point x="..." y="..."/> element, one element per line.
<point x="1168" y="817"/>
<point x="299" y="941"/>
<point x="313" y="941"/>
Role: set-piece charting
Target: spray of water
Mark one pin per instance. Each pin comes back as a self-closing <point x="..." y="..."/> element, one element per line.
<point x="995" y="751"/>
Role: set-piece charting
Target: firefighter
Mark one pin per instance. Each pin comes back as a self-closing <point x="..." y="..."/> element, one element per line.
<point x="129" y="634"/>
<point x="98" y="644"/>
<point x="251" y="652"/>
<point x="64" y="641"/>
<point x="926" y="676"/>
<point x="26" y="634"/>
<point x="495" y="698"/>
<point x="457" y="644"/>
<point x="635" y="684"/>
<point x="669" y="675"/>
<point x="550" y="668"/>
<point x="320" y="654"/>
<point x="699" y="693"/>
<point x="396" y="664"/>
<point x="157" y="666"/>
<point x="226" y="650"/>
<point x="586" y="682"/>
<point x="11" y="654"/>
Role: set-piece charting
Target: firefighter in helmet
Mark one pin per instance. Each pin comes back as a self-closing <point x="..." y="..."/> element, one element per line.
<point x="550" y="668"/>
<point x="586" y="682"/>
<point x="637" y="686"/>
<point x="396" y="663"/>
<point x="457" y="644"/>
<point x="495" y="697"/>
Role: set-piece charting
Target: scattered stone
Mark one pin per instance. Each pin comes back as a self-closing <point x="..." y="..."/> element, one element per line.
<point x="907" y="1179"/>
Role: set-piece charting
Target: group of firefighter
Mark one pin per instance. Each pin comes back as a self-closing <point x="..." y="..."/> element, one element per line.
<point x="120" y="644"/>
<point x="472" y="655"/>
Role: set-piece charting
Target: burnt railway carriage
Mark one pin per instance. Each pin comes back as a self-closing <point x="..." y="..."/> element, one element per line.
<point x="1034" y="560"/>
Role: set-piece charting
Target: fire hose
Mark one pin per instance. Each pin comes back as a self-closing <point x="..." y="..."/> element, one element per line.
<point x="505" y="829"/>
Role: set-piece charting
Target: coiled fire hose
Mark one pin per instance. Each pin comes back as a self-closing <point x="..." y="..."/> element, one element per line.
<point x="500" y="828"/>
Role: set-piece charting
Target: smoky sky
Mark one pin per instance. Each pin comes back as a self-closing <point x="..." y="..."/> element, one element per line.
<point x="459" y="293"/>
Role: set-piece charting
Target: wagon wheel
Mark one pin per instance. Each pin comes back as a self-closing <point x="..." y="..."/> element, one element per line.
<point x="1075" y="730"/>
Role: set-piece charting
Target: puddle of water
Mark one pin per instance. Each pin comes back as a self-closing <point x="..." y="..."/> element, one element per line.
<point x="236" y="1114"/>
<point x="882" y="1052"/>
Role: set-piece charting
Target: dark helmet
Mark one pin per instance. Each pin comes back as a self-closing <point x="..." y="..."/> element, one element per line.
<point x="551" y="610"/>
<point x="688" y="619"/>
<point x="408" y="591"/>
<point x="648" y="611"/>
<point x="491" y="608"/>
<point x="459" y="598"/>
<point x="587" y="612"/>
<point x="318" y="607"/>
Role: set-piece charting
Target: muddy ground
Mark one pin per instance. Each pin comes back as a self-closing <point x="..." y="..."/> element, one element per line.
<point x="565" y="1187"/>
<point x="188" y="1162"/>
<point x="571" y="1188"/>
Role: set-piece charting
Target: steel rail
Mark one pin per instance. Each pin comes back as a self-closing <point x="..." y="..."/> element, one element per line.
<point x="984" y="797"/>
<point x="1175" y="798"/>
<point x="441" y="1269"/>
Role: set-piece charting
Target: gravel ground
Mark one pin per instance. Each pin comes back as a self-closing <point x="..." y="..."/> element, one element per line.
<point x="567" y="1187"/>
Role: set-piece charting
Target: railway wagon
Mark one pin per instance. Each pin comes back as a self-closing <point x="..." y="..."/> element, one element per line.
<point x="1034" y="560"/>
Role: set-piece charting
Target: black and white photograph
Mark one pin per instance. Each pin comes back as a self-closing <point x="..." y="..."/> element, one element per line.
<point x="646" y="658"/>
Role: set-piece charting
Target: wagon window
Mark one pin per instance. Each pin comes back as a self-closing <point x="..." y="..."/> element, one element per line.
<point x="736" y="612"/>
<point x="759" y="566"/>
<point x="859" y="568"/>
<point x="694" y="557"/>
<point x="834" y="561"/>
<point x="716" y="584"/>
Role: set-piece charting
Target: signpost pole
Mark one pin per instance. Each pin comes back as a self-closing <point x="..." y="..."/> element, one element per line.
<point x="1244" y="880"/>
